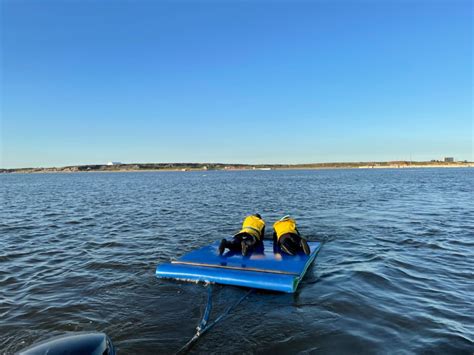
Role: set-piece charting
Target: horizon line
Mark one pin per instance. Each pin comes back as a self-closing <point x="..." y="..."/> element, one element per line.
<point x="115" y="163"/>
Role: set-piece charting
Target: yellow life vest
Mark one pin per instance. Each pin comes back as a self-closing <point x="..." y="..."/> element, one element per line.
<point x="284" y="226"/>
<point x="253" y="226"/>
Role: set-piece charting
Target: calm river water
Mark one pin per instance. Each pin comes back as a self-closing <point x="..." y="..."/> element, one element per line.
<point x="395" y="275"/>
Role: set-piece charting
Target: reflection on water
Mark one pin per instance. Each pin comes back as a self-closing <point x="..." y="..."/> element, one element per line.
<point x="78" y="252"/>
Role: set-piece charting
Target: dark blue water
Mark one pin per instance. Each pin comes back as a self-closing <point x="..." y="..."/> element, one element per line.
<point x="395" y="275"/>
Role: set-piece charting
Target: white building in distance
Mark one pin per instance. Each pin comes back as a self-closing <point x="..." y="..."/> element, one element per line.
<point x="114" y="163"/>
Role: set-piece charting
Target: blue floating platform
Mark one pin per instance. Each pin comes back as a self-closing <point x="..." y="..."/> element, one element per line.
<point x="264" y="269"/>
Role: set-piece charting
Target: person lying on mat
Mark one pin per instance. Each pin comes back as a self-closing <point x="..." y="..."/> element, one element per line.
<point x="249" y="237"/>
<point x="287" y="237"/>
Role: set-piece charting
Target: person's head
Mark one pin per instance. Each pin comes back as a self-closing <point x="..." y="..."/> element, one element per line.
<point x="258" y="215"/>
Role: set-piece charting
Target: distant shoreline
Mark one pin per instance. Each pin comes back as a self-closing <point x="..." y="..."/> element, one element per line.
<point x="183" y="167"/>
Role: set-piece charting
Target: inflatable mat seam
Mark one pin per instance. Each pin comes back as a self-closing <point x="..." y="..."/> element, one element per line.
<point x="235" y="268"/>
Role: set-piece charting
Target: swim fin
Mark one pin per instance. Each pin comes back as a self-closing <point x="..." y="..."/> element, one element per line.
<point x="305" y="246"/>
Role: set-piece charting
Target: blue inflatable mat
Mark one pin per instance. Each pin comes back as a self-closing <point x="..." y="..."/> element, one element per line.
<point x="265" y="269"/>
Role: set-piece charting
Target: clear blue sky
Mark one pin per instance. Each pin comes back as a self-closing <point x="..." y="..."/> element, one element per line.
<point x="244" y="81"/>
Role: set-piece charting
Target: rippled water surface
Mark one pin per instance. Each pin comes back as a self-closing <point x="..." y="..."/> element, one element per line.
<point x="395" y="275"/>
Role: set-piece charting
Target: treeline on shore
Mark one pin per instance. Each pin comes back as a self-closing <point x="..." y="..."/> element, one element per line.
<point x="221" y="166"/>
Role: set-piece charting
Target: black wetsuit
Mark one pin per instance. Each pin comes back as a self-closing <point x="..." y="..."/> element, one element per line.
<point x="235" y="244"/>
<point x="291" y="243"/>
<point x="252" y="242"/>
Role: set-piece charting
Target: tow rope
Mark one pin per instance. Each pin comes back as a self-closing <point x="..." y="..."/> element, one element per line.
<point x="203" y="326"/>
